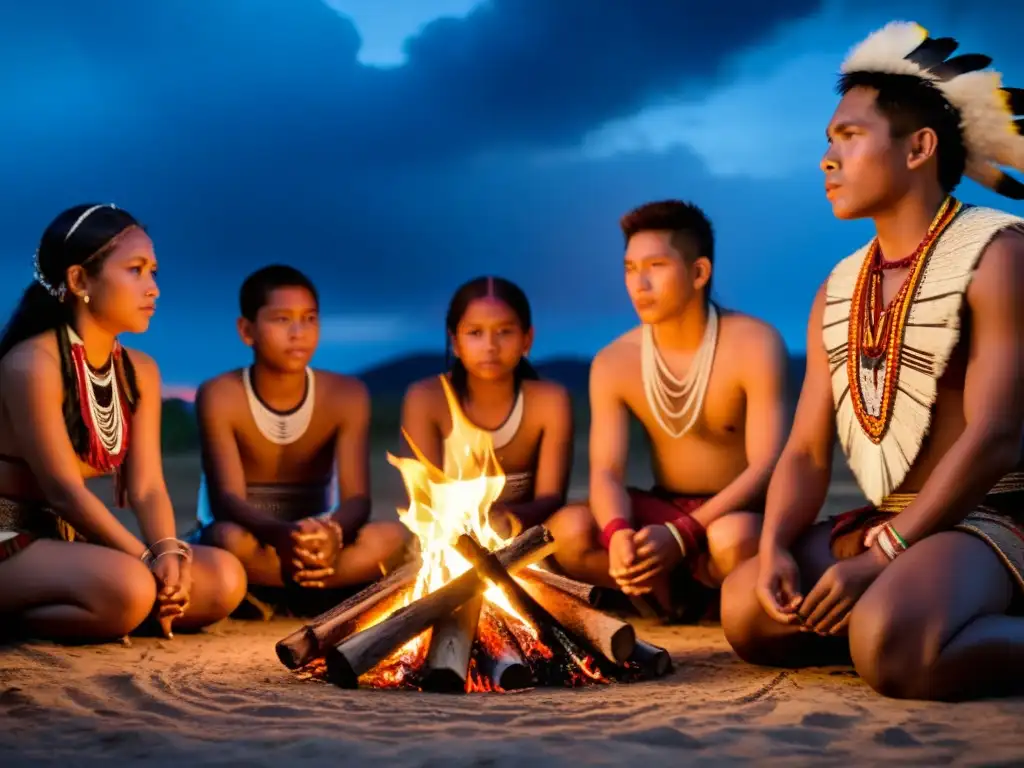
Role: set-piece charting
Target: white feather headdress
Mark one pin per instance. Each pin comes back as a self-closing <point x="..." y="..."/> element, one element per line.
<point x="991" y="116"/>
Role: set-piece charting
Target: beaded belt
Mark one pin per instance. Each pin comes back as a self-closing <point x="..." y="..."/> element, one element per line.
<point x="34" y="518"/>
<point x="897" y="502"/>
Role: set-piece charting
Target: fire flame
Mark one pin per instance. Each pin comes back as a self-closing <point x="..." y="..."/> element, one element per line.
<point x="447" y="502"/>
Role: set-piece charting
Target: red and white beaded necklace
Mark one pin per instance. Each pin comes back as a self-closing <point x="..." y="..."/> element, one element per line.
<point x="108" y="425"/>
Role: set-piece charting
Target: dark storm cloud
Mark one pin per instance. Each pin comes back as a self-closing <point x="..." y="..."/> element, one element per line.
<point x="245" y="131"/>
<point x="283" y="77"/>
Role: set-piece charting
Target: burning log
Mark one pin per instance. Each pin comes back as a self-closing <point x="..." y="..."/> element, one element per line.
<point x="309" y="642"/>
<point x="650" y="660"/>
<point x="614" y="638"/>
<point x="451" y="643"/>
<point x="507" y="670"/>
<point x="551" y="632"/>
<point x="360" y="652"/>
<point x="588" y="593"/>
<point x="500" y="658"/>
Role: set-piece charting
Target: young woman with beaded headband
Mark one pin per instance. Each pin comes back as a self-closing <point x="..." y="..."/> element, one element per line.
<point x="915" y="353"/>
<point x="75" y="404"/>
<point x="489" y="332"/>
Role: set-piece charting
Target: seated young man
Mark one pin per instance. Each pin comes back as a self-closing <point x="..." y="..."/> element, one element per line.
<point x="924" y="588"/>
<point x="275" y="437"/>
<point x="708" y="388"/>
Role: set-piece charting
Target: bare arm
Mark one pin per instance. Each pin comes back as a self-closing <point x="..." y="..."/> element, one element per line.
<point x="147" y="489"/>
<point x="554" y="462"/>
<point x="419" y="425"/>
<point x="800" y="481"/>
<point x="222" y="465"/>
<point x="764" y="384"/>
<point x="990" y="444"/>
<point x="33" y="392"/>
<point x="353" y="456"/>
<point x="609" y="444"/>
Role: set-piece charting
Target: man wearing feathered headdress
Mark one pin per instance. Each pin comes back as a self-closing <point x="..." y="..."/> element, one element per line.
<point x="915" y="362"/>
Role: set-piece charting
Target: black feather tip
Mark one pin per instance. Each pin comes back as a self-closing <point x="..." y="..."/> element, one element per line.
<point x="1007" y="186"/>
<point x="932" y="52"/>
<point x="960" y="65"/>
<point x="1015" y="97"/>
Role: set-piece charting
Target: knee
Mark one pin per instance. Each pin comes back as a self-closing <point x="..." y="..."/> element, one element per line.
<point x="572" y="528"/>
<point x="889" y="652"/>
<point x="389" y="540"/>
<point x="232" y="538"/>
<point x="733" y="540"/>
<point x="124" y="595"/>
<point x="743" y="618"/>
<point x="224" y="581"/>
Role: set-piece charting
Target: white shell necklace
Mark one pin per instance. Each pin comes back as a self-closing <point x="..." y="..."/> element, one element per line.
<point x="280" y="428"/>
<point x="108" y="420"/>
<point x="503" y="435"/>
<point x="664" y="390"/>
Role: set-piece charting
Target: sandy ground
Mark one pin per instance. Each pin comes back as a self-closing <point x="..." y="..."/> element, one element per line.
<point x="223" y="698"/>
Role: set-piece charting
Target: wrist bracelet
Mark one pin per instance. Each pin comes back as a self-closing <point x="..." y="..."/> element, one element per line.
<point x="890" y="542"/>
<point x="692" y="533"/>
<point x="616" y="525"/>
<point x="678" y="537"/>
<point x="180" y="548"/>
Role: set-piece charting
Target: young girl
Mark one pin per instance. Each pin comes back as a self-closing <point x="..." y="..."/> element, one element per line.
<point x="489" y="333"/>
<point x="75" y="404"/>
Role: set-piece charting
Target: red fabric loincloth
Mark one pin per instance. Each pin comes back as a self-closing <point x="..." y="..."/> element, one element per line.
<point x="659" y="506"/>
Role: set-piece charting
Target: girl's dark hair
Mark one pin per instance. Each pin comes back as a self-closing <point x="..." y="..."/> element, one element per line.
<point x="91" y="242"/>
<point x="483" y="288"/>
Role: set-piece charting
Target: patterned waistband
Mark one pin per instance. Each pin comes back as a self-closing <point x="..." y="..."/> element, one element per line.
<point x="34" y="518"/>
<point x="518" y="487"/>
<point x="291" y="501"/>
<point x="896" y="502"/>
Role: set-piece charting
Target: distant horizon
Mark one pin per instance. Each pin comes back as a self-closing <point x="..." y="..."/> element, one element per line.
<point x="186" y="391"/>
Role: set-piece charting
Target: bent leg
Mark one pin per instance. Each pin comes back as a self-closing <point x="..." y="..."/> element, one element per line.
<point x="759" y="639"/>
<point x="577" y="549"/>
<point x="934" y="624"/>
<point x="378" y="546"/>
<point x="261" y="563"/>
<point x="732" y="540"/>
<point x="75" y="592"/>
<point x="218" y="587"/>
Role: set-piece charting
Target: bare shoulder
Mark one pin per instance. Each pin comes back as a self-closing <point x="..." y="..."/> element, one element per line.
<point x="425" y="393"/>
<point x="30" y="359"/>
<point x="347" y="397"/>
<point x="1001" y="266"/>
<point x="746" y="334"/>
<point x="625" y="350"/>
<point x="549" y="396"/>
<point x="221" y="394"/>
<point x="147" y="372"/>
<point x="341" y="387"/>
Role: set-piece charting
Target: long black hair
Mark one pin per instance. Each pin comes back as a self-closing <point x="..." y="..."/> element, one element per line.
<point x="49" y="307"/>
<point x="88" y="245"/>
<point x="485" y="288"/>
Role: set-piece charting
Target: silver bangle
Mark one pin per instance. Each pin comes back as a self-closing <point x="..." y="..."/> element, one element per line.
<point x="182" y="549"/>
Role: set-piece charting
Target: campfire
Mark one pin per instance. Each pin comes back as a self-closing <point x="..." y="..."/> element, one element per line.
<point x="473" y="612"/>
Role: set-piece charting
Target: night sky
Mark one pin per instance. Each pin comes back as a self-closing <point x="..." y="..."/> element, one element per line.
<point x="395" y="148"/>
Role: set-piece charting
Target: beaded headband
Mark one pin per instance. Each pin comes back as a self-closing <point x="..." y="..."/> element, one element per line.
<point x="60" y="290"/>
<point x="991" y="116"/>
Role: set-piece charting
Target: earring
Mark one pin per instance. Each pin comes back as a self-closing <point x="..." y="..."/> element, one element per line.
<point x="86" y="298"/>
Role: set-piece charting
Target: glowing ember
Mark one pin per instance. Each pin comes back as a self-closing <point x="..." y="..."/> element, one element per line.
<point x="500" y="648"/>
<point x="442" y="507"/>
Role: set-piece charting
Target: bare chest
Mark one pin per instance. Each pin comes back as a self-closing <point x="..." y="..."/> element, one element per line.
<point x="719" y="422"/>
<point x="309" y="458"/>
